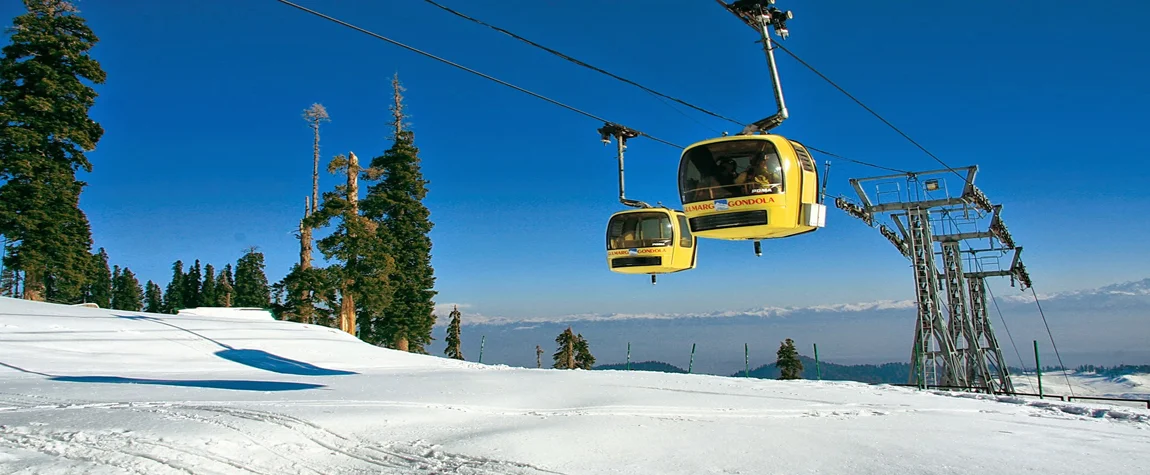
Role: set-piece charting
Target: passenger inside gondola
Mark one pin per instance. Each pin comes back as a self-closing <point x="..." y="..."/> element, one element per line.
<point x="764" y="175"/>
<point x="722" y="183"/>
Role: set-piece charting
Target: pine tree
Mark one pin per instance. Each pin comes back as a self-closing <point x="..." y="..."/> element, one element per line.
<point x="225" y="287"/>
<point x="251" y="286"/>
<point x="193" y="282"/>
<point x="8" y="283"/>
<point x="154" y="298"/>
<point x="126" y="291"/>
<point x="100" y="281"/>
<point x="309" y="296"/>
<point x="564" y="358"/>
<point x="583" y="358"/>
<point x="174" y="293"/>
<point x="44" y="108"/>
<point x="453" y="350"/>
<point x="112" y="287"/>
<point x="362" y="277"/>
<point x="208" y="295"/>
<point x="789" y="364"/>
<point x="396" y="203"/>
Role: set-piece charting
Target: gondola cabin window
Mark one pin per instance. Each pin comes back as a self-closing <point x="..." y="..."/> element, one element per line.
<point x="633" y="230"/>
<point x="730" y="169"/>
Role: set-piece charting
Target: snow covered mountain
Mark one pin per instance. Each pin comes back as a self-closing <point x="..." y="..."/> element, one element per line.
<point x="1133" y="294"/>
<point x="106" y="392"/>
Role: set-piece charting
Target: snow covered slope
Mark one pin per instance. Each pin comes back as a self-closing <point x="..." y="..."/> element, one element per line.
<point x="100" y="391"/>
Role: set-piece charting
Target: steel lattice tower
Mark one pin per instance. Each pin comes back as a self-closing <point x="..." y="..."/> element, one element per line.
<point x="954" y="344"/>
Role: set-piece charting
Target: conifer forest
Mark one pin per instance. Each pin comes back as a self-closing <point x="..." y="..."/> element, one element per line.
<point x="372" y="232"/>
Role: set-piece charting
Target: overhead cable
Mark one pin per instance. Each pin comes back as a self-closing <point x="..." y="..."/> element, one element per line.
<point x="868" y="109"/>
<point x="1055" y="345"/>
<point x="437" y="58"/>
<point x="633" y="83"/>
<point x="581" y="63"/>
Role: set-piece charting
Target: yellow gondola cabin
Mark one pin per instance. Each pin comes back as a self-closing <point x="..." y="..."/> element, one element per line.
<point x="650" y="241"/>
<point x="750" y="187"/>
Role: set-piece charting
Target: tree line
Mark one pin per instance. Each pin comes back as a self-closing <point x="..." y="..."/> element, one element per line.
<point x="112" y="287"/>
<point x="204" y="287"/>
<point x="378" y="285"/>
<point x="572" y="350"/>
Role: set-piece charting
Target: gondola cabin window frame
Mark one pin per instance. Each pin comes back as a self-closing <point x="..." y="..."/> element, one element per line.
<point x="635" y="222"/>
<point x="701" y="183"/>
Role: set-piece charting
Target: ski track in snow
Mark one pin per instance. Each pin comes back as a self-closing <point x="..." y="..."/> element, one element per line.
<point x="295" y="452"/>
<point x="93" y="391"/>
<point x="302" y="446"/>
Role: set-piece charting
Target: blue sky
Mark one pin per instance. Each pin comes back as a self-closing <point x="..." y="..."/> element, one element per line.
<point x="205" y="152"/>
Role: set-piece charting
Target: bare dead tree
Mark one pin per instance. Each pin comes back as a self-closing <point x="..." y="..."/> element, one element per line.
<point x="314" y="115"/>
<point x="347" y="304"/>
<point x="305" y="312"/>
<point x="398" y="124"/>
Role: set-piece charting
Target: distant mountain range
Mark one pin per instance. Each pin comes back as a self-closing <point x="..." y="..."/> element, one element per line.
<point x="654" y="366"/>
<point x="1104" y="325"/>
<point x="1121" y="295"/>
<point x="885" y="373"/>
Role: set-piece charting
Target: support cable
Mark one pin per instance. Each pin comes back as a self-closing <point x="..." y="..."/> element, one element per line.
<point x="868" y="109"/>
<point x="829" y="154"/>
<point x="581" y="63"/>
<point x="1051" y="335"/>
<point x="997" y="309"/>
<point x="1021" y="361"/>
<point x="948" y="167"/>
<point x="640" y="86"/>
<point x="429" y="55"/>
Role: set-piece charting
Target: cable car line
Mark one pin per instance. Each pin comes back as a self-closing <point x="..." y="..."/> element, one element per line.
<point x="777" y="119"/>
<point x="868" y="109"/>
<point x="581" y="63"/>
<point x="829" y="154"/>
<point x="593" y="116"/>
<point x="719" y="116"/>
<point x="1051" y="335"/>
<point x="553" y="101"/>
<point x="640" y="86"/>
<point x="465" y="68"/>
<point x="1022" y="362"/>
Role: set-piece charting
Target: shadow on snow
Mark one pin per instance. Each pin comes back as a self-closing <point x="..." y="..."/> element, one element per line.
<point x="232" y="384"/>
<point x="257" y="359"/>
<point x="236" y="384"/>
<point x="260" y="359"/>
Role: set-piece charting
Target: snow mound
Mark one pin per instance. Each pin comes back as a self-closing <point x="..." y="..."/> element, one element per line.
<point x="228" y="312"/>
<point x="85" y="341"/>
<point x="86" y="390"/>
<point x="1055" y="406"/>
<point x="1134" y="380"/>
<point x="1130" y="386"/>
